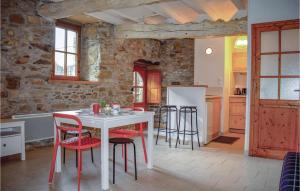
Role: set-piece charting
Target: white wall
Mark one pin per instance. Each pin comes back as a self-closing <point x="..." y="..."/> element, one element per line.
<point x="260" y="11"/>
<point x="209" y="69"/>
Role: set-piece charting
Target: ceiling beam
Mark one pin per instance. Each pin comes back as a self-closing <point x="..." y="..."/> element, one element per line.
<point x="166" y="31"/>
<point x="121" y="14"/>
<point x="69" y="8"/>
<point x="240" y="4"/>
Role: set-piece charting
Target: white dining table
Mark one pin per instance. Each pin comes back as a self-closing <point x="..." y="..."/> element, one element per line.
<point x="105" y="123"/>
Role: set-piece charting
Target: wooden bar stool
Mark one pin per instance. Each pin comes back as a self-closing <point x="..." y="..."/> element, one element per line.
<point x="123" y="142"/>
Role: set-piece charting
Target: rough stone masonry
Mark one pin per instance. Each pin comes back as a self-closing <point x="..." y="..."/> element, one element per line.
<point x="27" y="46"/>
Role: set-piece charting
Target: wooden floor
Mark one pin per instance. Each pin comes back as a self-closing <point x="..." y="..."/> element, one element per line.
<point x="214" y="168"/>
<point x="237" y="146"/>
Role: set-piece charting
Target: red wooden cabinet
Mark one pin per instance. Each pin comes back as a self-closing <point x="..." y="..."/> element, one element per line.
<point x="153" y="86"/>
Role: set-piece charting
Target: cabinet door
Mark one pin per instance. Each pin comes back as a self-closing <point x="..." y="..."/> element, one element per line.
<point x="239" y="61"/>
<point x="237" y="109"/>
<point x="216" y="128"/>
<point x="10" y="145"/>
<point x="237" y="122"/>
<point x="153" y="86"/>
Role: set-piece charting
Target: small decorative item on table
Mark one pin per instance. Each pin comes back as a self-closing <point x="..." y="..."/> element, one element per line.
<point x="107" y="109"/>
<point x="115" y="109"/>
<point x="96" y="108"/>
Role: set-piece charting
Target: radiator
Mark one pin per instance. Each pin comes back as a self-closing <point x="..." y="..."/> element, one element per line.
<point x="37" y="126"/>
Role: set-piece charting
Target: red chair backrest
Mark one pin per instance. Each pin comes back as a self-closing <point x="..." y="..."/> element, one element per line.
<point x="77" y="126"/>
<point x="138" y="127"/>
<point x="134" y="108"/>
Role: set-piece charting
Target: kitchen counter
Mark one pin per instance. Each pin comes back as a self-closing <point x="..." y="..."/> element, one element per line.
<point x="203" y="86"/>
<point x="212" y="96"/>
<point x="237" y="96"/>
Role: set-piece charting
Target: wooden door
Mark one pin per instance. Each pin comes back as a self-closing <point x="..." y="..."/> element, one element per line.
<point x="153" y="86"/>
<point x="275" y="89"/>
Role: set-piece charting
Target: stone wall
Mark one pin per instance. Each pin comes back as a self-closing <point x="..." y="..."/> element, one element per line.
<point x="176" y="58"/>
<point x="27" y="52"/>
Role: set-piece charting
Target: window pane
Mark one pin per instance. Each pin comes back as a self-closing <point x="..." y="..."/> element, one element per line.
<point x="71" y="64"/>
<point x="290" y="40"/>
<point x="269" y="88"/>
<point x="138" y="93"/>
<point x="134" y="78"/>
<point x="288" y="87"/>
<point x="269" y="41"/>
<point x="59" y="63"/>
<point x="59" y="39"/>
<point x="72" y="41"/>
<point x="139" y="80"/>
<point x="290" y="64"/>
<point x="269" y="65"/>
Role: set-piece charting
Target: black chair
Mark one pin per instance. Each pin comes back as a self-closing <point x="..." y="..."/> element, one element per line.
<point x="123" y="142"/>
<point x="75" y="134"/>
<point x="188" y="110"/>
<point x="168" y="109"/>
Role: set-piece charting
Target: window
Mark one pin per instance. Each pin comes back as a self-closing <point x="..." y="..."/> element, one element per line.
<point x="138" y="88"/>
<point x="279" y="63"/>
<point x="67" y="51"/>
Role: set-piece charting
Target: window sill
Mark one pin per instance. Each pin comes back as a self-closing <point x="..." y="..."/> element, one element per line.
<point x="54" y="81"/>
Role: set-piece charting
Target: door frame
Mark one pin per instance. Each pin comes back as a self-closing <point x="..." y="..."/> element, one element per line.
<point x="254" y="149"/>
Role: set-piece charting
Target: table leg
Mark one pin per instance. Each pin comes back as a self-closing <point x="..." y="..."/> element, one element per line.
<point x="58" y="155"/>
<point x="23" y="142"/>
<point x="150" y="143"/>
<point x="104" y="159"/>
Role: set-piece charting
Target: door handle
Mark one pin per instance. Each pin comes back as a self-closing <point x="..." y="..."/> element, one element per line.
<point x="297" y="90"/>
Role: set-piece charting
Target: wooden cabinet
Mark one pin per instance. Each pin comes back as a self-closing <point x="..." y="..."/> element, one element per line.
<point x="213" y="117"/>
<point x="153" y="86"/>
<point x="237" y="111"/>
<point x="239" y="61"/>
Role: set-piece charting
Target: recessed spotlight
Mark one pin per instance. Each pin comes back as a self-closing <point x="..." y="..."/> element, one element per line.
<point x="208" y="51"/>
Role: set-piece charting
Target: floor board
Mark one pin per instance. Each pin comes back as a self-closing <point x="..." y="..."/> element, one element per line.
<point x="216" y="167"/>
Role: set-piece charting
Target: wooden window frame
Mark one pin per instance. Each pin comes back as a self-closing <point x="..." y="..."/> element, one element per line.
<point x="77" y="29"/>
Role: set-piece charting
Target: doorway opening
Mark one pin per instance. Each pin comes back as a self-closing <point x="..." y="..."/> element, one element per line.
<point x="225" y="73"/>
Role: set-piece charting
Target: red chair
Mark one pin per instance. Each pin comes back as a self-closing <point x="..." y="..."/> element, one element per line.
<point x="79" y="143"/>
<point x="129" y="133"/>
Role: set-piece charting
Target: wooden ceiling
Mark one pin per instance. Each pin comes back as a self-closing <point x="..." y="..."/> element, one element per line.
<point x="120" y="12"/>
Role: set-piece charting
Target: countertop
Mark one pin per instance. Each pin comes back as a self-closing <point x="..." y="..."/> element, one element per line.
<point x="203" y="86"/>
<point x="237" y="96"/>
<point x="212" y="96"/>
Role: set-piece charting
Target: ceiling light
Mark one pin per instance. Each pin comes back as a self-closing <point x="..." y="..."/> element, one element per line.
<point x="241" y="42"/>
<point x="208" y="51"/>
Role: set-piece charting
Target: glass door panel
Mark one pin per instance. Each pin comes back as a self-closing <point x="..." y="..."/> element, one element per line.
<point x="139" y="94"/>
<point x="268" y="88"/>
<point x="288" y="87"/>
<point x="269" y="41"/>
<point x="290" y="40"/>
<point x="290" y="64"/>
<point x="269" y="65"/>
<point x="138" y="89"/>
